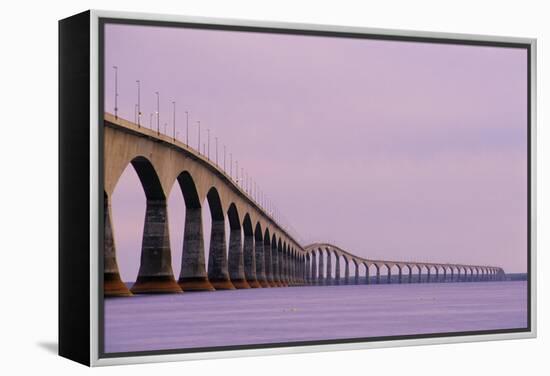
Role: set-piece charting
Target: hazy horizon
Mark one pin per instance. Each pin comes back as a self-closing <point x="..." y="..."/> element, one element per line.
<point x="389" y="149"/>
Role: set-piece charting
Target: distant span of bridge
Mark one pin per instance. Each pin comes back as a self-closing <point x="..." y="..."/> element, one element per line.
<point x="261" y="253"/>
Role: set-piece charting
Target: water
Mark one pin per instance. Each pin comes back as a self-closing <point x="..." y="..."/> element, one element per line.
<point x="260" y="316"/>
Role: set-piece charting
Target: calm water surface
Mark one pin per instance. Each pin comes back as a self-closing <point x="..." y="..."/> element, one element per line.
<point x="257" y="316"/>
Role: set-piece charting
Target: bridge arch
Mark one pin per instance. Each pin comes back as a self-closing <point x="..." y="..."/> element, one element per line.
<point x="360" y="272"/>
<point x="248" y="252"/>
<point x="454" y="273"/>
<point x="374" y="273"/>
<point x="419" y="268"/>
<point x="407" y="268"/>
<point x="367" y="273"/>
<point x="235" y="254"/>
<point x="355" y="274"/>
<point x="392" y="272"/>
<point x="155" y="271"/>
<point x="193" y="276"/>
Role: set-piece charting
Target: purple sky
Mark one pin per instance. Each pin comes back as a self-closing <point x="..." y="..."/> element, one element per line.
<point x="393" y="150"/>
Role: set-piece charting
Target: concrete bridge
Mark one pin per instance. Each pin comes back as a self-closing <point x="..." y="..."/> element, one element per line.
<point x="261" y="252"/>
<point x="320" y="256"/>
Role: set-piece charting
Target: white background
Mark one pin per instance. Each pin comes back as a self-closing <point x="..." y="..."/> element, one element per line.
<point x="28" y="265"/>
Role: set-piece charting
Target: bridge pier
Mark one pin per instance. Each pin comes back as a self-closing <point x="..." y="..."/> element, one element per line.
<point x="250" y="260"/>
<point x="193" y="275"/>
<point x="268" y="262"/>
<point x="288" y="271"/>
<point x="400" y="277"/>
<point x="337" y="271"/>
<point x="329" y="268"/>
<point x="321" y="278"/>
<point x="307" y="269"/>
<point x="260" y="260"/>
<point x="155" y="269"/>
<point x="314" y="268"/>
<point x="356" y="272"/>
<point x="291" y="265"/>
<point x="300" y="270"/>
<point x="346" y="275"/>
<point x="297" y="278"/>
<point x="217" y="261"/>
<point x="388" y="281"/>
<point x="112" y="284"/>
<point x="377" y="274"/>
<point x="236" y="260"/>
<point x="275" y="264"/>
<point x="367" y="276"/>
<point x="282" y="266"/>
<point x="290" y="277"/>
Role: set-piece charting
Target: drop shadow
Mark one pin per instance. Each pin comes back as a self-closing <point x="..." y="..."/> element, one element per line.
<point x="50" y="347"/>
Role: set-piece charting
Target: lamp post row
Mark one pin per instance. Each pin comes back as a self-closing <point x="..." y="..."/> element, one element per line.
<point x="245" y="183"/>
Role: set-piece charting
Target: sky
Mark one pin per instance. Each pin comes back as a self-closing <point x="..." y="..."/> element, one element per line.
<point x="389" y="149"/>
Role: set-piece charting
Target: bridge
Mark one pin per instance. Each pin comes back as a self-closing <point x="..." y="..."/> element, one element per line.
<point x="261" y="253"/>
<point x="319" y="257"/>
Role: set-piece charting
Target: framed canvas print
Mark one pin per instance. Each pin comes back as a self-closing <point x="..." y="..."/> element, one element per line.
<point x="230" y="188"/>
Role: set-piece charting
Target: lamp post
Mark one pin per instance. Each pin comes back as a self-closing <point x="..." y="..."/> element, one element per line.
<point x="224" y="158"/>
<point x="158" y="112"/>
<point x="199" y="145"/>
<point x="231" y="165"/>
<point x="174" y="121"/>
<point x="216" y="138"/>
<point x="237" y="172"/>
<point x="138" y="103"/>
<point x="187" y="128"/>
<point x="116" y="91"/>
<point x="208" y="137"/>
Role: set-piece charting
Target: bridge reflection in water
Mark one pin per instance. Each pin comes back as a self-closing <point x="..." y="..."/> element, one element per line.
<point x="262" y="253"/>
